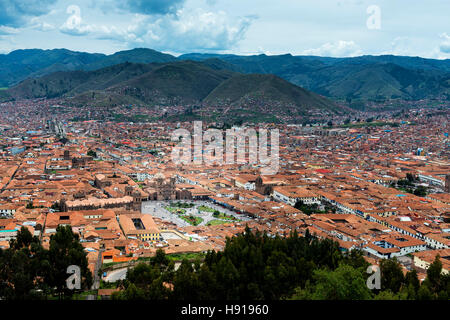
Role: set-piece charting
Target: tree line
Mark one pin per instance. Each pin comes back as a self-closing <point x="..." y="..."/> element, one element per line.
<point x="30" y="272"/>
<point x="256" y="266"/>
<point x="252" y="266"/>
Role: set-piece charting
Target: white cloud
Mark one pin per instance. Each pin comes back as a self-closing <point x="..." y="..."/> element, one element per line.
<point x="339" y="48"/>
<point x="445" y="44"/>
<point x="186" y="30"/>
<point x="401" y="46"/>
<point x="8" y="30"/>
<point x="37" y="24"/>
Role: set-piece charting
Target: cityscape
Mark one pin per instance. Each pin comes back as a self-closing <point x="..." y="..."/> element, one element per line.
<point x="120" y="177"/>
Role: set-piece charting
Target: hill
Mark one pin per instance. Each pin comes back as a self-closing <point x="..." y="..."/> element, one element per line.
<point x="364" y="78"/>
<point x="260" y="89"/>
<point x="21" y="64"/>
<point x="209" y="85"/>
<point x="34" y="63"/>
<point x="139" y="55"/>
<point x="360" y="78"/>
<point x="176" y="83"/>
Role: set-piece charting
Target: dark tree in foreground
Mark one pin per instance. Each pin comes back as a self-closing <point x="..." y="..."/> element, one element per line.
<point x="66" y="250"/>
<point x="252" y="266"/>
<point x="28" y="271"/>
<point x="22" y="268"/>
<point x="391" y="275"/>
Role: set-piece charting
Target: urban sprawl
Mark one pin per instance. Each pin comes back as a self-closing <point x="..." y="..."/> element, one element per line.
<point x="381" y="186"/>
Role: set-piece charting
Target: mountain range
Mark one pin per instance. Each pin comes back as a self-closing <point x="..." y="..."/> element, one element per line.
<point x="193" y="83"/>
<point x="148" y="76"/>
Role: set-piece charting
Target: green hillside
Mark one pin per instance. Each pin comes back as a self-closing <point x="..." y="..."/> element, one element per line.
<point x="363" y="79"/>
<point x="218" y="92"/>
<point x="270" y="89"/>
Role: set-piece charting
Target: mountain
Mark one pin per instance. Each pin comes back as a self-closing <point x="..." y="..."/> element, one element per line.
<point x="261" y="89"/>
<point x="359" y="78"/>
<point x="183" y="82"/>
<point x="348" y="80"/>
<point x="139" y="55"/>
<point x="208" y="85"/>
<point x="382" y="81"/>
<point x="21" y="64"/>
<point x="34" y="63"/>
<point x="70" y="83"/>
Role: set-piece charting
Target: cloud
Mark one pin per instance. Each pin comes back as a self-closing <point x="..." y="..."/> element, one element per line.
<point x="339" y="48"/>
<point x="8" y="30"/>
<point x="36" y="24"/>
<point x="183" y="31"/>
<point x="445" y="44"/>
<point x="14" y="13"/>
<point x="402" y="46"/>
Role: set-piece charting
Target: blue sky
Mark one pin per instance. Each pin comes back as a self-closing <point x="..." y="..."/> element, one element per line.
<point x="313" y="27"/>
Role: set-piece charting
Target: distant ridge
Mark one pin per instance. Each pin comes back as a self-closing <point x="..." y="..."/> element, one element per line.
<point x="208" y="84"/>
<point x="349" y="80"/>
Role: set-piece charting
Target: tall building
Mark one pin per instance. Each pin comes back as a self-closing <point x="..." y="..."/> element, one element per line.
<point x="447" y="183"/>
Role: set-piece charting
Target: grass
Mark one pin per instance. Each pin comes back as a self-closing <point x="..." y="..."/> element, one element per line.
<point x="188" y="256"/>
<point x="83" y="295"/>
<point x="173" y="210"/>
<point x="217" y="222"/>
<point x="109" y="264"/>
<point x="107" y="285"/>
<point x="3" y="88"/>
<point x="224" y="216"/>
<point x="206" y="209"/>
<point x="182" y="205"/>
<point x="178" y="257"/>
<point x="194" y="221"/>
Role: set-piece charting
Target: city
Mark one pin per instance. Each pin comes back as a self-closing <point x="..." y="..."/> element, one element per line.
<point x="382" y="187"/>
<point x="217" y="159"/>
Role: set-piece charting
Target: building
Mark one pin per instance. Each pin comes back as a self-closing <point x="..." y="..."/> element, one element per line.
<point x="291" y="195"/>
<point x="140" y="226"/>
<point x="394" y="245"/>
<point x="422" y="260"/>
<point x="127" y="203"/>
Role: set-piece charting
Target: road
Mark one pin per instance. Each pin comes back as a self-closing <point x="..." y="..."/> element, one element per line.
<point x="115" y="275"/>
<point x="120" y="274"/>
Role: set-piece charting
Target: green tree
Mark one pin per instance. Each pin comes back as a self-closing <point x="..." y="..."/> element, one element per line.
<point x="388" y="295"/>
<point x="344" y="283"/>
<point x="424" y="292"/>
<point x="65" y="250"/>
<point x="21" y="268"/>
<point x="434" y="276"/>
<point x="420" y="191"/>
<point x="92" y="153"/>
<point x="391" y="275"/>
<point x="412" y="281"/>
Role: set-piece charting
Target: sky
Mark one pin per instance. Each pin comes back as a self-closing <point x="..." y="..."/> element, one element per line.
<point x="336" y="28"/>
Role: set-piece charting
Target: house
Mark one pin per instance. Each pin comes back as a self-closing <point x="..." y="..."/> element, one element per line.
<point x="394" y="245"/>
<point x="422" y="260"/>
<point x="292" y="194"/>
<point x="140" y="226"/>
